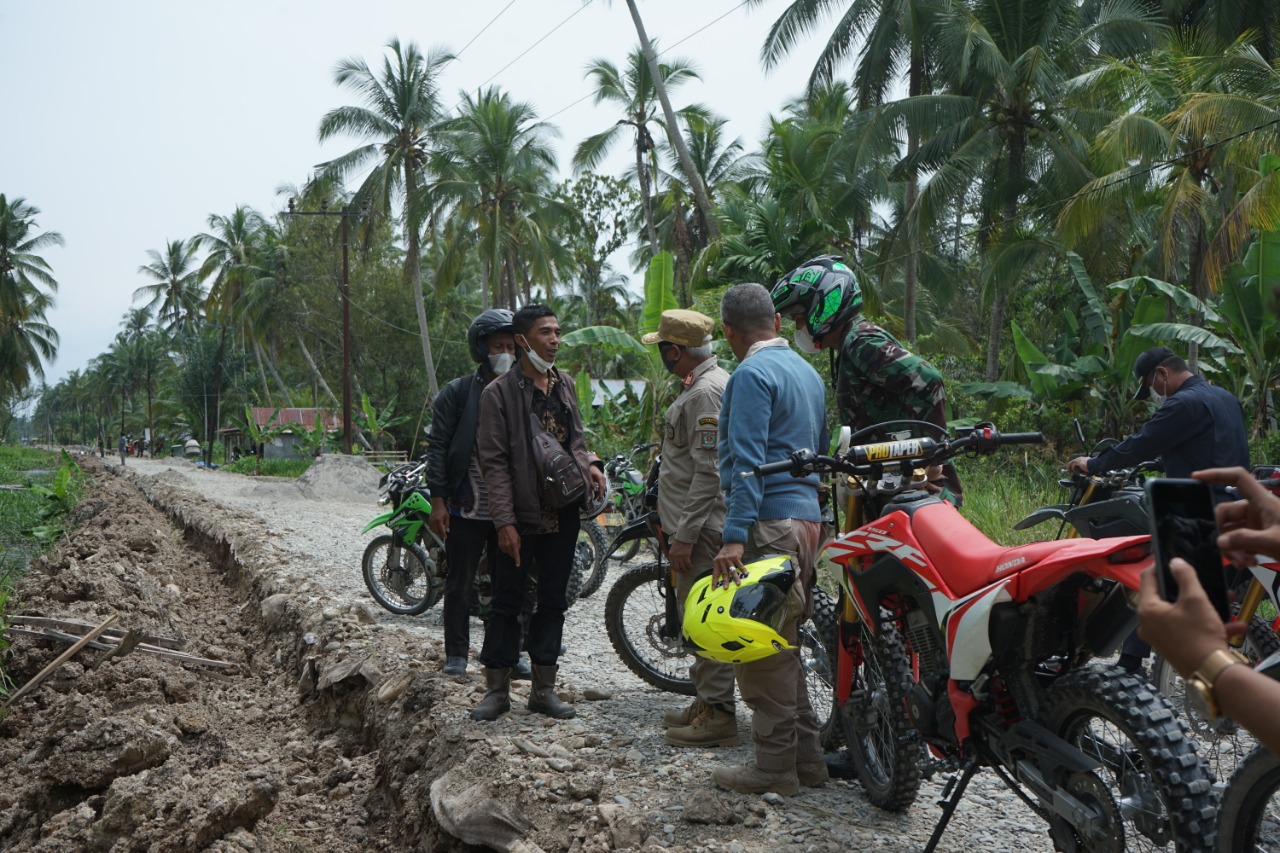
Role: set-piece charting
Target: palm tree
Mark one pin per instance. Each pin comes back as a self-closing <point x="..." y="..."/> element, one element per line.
<point x="401" y="107"/>
<point x="634" y="93"/>
<point x="495" y="163"/>
<point x="1004" y="123"/>
<point x="25" y="339"/>
<point x="672" y="127"/>
<point x="890" y="32"/>
<point x="177" y="293"/>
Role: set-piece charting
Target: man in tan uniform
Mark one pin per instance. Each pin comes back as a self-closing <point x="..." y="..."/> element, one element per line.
<point x="692" y="509"/>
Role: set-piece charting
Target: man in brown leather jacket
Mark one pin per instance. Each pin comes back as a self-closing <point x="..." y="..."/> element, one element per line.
<point x="529" y="534"/>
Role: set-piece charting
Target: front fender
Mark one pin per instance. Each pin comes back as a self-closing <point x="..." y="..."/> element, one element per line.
<point x="1057" y="512"/>
<point x="379" y="521"/>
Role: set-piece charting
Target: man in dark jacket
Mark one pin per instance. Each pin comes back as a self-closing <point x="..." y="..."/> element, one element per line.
<point x="529" y="533"/>
<point x="1198" y="426"/>
<point x="459" y="502"/>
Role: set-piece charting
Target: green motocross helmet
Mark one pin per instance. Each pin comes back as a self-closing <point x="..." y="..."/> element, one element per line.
<point x="822" y="292"/>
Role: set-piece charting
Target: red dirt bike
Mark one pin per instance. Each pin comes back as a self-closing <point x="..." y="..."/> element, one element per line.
<point x="955" y="653"/>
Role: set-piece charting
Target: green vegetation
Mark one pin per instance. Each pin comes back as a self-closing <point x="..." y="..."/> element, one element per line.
<point x="1000" y="490"/>
<point x="30" y="516"/>
<point x="1030" y="190"/>
<point x="268" y="467"/>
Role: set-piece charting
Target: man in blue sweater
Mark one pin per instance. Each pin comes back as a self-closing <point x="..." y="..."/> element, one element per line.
<point x="774" y="404"/>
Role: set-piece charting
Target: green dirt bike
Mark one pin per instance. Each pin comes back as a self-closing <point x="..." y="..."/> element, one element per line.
<point x="405" y="569"/>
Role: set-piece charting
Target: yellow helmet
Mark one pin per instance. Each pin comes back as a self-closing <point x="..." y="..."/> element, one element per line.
<point x="740" y="624"/>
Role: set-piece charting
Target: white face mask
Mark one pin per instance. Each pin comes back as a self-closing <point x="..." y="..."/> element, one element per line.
<point x="804" y="340"/>
<point x="540" y="364"/>
<point x="1158" y="398"/>
<point x="501" y="362"/>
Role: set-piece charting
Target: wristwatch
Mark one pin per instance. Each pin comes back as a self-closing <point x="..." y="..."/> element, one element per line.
<point x="1202" y="680"/>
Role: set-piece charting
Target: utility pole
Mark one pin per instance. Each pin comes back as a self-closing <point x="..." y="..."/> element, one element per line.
<point x="346" y="213"/>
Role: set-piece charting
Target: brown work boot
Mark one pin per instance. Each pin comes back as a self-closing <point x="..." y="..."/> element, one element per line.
<point x="812" y="774"/>
<point x="543" y="698"/>
<point x="683" y="716"/>
<point x="711" y="727"/>
<point x="497" y="697"/>
<point x="749" y="779"/>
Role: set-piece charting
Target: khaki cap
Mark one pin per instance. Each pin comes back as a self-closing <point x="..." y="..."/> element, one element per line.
<point x="683" y="327"/>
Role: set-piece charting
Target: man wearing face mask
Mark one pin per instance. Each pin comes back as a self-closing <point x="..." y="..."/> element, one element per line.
<point x="1197" y="426"/>
<point x="692" y="509"/>
<point x="876" y="378"/>
<point x="529" y="533"/>
<point x="459" y="505"/>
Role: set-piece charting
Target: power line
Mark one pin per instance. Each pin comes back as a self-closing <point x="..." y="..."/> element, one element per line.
<point x="492" y="21"/>
<point x="526" y="51"/>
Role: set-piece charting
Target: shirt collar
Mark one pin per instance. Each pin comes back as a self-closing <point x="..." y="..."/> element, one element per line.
<point x="759" y="345"/>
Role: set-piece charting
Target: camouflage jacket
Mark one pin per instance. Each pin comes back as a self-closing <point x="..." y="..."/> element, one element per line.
<point x="878" y="380"/>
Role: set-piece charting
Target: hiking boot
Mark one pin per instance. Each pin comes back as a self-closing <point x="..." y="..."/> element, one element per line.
<point x="812" y="774"/>
<point x="683" y="716"/>
<point x="455" y="665"/>
<point x="543" y="698"/>
<point x="749" y="779"/>
<point x="497" y="696"/>
<point x="522" y="672"/>
<point x="711" y="727"/>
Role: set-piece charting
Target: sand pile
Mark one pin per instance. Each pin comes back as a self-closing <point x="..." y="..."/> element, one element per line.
<point x="335" y="477"/>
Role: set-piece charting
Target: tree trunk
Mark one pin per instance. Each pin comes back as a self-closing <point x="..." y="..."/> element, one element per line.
<point x="275" y="374"/>
<point x="262" y="373"/>
<point x="211" y="427"/>
<point x="683" y="256"/>
<point x="315" y="371"/>
<point x="646" y="196"/>
<point x="911" y="266"/>
<point x="1195" y="277"/>
<point x="673" y="128"/>
<point x="413" y="274"/>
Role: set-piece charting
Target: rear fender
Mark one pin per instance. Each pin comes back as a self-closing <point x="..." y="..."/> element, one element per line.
<point x="1091" y="556"/>
<point x="1046" y="513"/>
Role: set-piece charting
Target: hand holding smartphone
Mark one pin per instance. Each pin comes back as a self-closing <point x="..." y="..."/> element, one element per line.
<point x="1183" y="525"/>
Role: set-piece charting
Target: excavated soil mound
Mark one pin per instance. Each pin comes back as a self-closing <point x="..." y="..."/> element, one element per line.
<point x="140" y="752"/>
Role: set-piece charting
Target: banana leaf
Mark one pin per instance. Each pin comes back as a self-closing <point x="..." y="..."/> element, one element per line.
<point x="659" y="293"/>
<point x="999" y="390"/>
<point x="1186" y="334"/>
<point x="605" y="335"/>
<point x="1150" y="309"/>
<point x="1181" y="297"/>
<point x="1097" y="319"/>
<point x="1031" y="357"/>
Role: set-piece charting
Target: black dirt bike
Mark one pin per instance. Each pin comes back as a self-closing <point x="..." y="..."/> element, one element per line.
<point x="627" y="487"/>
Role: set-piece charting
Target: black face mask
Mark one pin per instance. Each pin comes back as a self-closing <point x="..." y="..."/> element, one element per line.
<point x="669" y="365"/>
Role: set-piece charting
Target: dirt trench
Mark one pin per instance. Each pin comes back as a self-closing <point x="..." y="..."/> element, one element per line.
<point x="292" y="749"/>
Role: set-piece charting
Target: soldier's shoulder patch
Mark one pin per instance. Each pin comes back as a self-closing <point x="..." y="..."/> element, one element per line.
<point x="708" y="422"/>
<point x="707" y="439"/>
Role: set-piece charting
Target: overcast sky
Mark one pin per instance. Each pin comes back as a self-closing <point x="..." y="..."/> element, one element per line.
<point x="127" y="122"/>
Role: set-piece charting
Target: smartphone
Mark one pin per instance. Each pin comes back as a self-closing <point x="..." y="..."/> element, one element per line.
<point x="1183" y="525"/>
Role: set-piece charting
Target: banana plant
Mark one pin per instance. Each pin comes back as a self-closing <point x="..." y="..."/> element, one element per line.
<point x="1240" y="339"/>
<point x="260" y="435"/>
<point x="379" y="424"/>
<point x="1096" y="362"/>
<point x="658" y="297"/>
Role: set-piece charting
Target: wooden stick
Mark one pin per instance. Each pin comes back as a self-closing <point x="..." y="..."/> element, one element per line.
<point x="107" y="643"/>
<point x="77" y="626"/>
<point x="59" y="661"/>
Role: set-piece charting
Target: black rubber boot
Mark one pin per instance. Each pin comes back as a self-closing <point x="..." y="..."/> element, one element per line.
<point x="543" y="698"/>
<point x="497" y="696"/>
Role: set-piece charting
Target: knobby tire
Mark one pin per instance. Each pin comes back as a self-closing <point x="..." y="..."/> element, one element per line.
<point x="412" y="572"/>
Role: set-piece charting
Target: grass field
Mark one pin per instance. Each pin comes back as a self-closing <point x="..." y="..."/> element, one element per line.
<point x="1000" y="490"/>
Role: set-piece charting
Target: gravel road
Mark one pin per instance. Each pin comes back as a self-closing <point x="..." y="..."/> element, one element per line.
<point x="324" y="534"/>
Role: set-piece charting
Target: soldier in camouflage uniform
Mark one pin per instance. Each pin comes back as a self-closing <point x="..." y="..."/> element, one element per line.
<point x="876" y="378"/>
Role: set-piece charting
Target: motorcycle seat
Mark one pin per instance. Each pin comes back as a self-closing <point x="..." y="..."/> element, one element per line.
<point x="965" y="558"/>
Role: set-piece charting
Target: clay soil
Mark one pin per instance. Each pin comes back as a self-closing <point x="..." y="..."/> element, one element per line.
<point x="139" y="752"/>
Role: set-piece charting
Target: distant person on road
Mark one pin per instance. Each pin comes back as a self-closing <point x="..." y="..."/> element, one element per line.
<point x="773" y="405"/>
<point x="692" y="509"/>
<point x="124" y="447"/>
<point x="534" y="396"/>
<point x="459" y="502"/>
